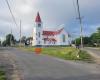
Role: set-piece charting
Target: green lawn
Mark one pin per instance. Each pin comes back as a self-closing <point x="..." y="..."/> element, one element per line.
<point x="67" y="53"/>
<point x="2" y="75"/>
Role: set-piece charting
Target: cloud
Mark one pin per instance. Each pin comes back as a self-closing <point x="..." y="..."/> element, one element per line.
<point x="53" y="14"/>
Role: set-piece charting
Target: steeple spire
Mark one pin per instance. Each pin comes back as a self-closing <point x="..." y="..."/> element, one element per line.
<point x="38" y="18"/>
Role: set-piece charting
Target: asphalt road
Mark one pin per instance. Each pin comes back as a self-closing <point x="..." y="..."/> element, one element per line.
<point x="42" y="67"/>
<point x="95" y="51"/>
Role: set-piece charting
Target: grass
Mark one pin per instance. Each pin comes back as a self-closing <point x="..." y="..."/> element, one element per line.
<point x="67" y="53"/>
<point x="2" y="74"/>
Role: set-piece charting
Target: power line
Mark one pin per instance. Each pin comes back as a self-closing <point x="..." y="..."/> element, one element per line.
<point x="20" y="33"/>
<point x="74" y="5"/>
<point x="11" y="13"/>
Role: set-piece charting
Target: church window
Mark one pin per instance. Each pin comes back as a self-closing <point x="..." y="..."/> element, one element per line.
<point x="44" y="42"/>
<point x="39" y="34"/>
<point x="39" y="25"/>
<point x="63" y="38"/>
<point x="39" y="42"/>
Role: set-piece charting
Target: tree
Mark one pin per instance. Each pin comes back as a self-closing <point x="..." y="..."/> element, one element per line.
<point x="9" y="39"/>
<point x="98" y="30"/>
<point x="86" y="41"/>
<point x="0" y="42"/>
<point x="95" y="38"/>
<point x="78" y="41"/>
<point x="4" y="43"/>
<point x="29" y="41"/>
<point x="23" y="39"/>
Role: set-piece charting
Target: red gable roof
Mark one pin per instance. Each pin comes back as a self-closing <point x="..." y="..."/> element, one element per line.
<point x="52" y="33"/>
<point x="38" y="18"/>
<point x="49" y="33"/>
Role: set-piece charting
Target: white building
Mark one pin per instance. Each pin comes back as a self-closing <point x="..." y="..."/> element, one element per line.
<point x="45" y="37"/>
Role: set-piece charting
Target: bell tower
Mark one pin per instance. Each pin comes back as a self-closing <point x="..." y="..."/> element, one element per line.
<point x="37" y="34"/>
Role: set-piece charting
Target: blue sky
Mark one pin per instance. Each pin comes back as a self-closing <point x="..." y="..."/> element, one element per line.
<point x="54" y="13"/>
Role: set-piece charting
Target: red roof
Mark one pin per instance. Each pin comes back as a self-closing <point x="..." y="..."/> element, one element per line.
<point x="38" y="18"/>
<point x="49" y="33"/>
<point x="52" y="33"/>
<point x="50" y="39"/>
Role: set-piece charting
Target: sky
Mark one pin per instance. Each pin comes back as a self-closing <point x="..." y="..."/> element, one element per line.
<point x="54" y="14"/>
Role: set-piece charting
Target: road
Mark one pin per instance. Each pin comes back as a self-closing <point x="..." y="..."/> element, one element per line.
<point x="43" y="67"/>
<point x="95" y="51"/>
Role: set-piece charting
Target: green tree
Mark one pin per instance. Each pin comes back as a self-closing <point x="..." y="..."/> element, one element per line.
<point x="4" y="43"/>
<point x="78" y="41"/>
<point x="28" y="40"/>
<point x="10" y="39"/>
<point x="23" y="39"/>
<point x="86" y="41"/>
<point x="95" y="38"/>
<point x="0" y="42"/>
<point x="98" y="30"/>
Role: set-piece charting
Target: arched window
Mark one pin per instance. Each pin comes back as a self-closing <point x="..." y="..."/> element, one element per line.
<point x="39" y="25"/>
<point x="39" y="42"/>
<point x="39" y="34"/>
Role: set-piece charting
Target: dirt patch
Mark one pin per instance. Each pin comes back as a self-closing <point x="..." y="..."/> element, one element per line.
<point x="8" y="64"/>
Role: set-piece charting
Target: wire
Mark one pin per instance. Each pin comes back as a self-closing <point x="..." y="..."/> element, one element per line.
<point x="11" y="13"/>
<point x="74" y="5"/>
<point x="79" y="15"/>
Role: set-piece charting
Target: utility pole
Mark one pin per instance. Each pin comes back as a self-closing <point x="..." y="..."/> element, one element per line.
<point x="20" y="33"/>
<point x="11" y="38"/>
<point x="80" y="20"/>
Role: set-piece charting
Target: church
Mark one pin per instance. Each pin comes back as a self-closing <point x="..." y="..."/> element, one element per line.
<point x="46" y="37"/>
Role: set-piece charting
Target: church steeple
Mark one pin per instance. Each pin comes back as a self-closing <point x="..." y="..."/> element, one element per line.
<point x="37" y="37"/>
<point x="38" y="18"/>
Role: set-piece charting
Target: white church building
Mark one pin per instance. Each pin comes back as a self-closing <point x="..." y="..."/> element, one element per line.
<point x="46" y="37"/>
